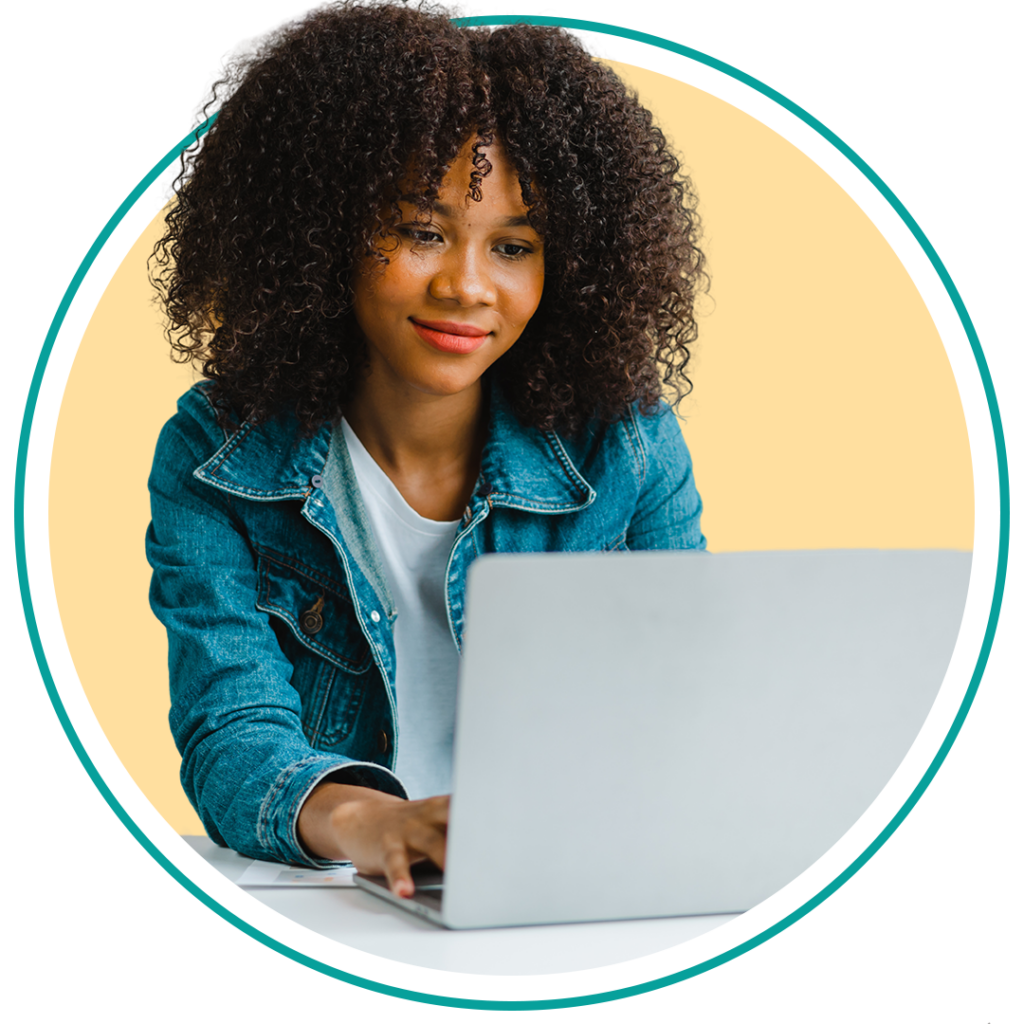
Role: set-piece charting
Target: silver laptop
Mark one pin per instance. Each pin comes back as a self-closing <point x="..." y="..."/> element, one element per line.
<point x="664" y="733"/>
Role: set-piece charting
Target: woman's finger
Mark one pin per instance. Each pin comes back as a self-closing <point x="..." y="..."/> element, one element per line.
<point x="396" y="870"/>
<point x="422" y="834"/>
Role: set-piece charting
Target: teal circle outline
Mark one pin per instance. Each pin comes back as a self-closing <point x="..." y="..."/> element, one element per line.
<point x="657" y="983"/>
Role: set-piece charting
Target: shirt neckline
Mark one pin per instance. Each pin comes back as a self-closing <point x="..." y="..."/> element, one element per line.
<point x="369" y="474"/>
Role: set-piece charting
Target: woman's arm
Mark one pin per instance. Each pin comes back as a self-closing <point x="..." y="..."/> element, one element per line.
<point x="247" y="766"/>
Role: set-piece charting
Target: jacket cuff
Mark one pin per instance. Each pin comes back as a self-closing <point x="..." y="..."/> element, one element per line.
<point x="277" y="827"/>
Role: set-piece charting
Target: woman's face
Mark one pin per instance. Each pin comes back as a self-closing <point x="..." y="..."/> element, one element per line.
<point x="458" y="290"/>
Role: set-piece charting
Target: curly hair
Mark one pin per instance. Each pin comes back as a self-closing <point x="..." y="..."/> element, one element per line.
<point x="298" y="180"/>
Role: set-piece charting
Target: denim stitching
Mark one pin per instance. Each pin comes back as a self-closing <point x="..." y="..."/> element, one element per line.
<point x="264" y="825"/>
<point x="323" y="693"/>
<point x="637" y="445"/>
<point x="567" y="465"/>
<point x="326" y="582"/>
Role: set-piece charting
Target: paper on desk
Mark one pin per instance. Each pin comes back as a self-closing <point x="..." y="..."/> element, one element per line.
<point x="263" y="874"/>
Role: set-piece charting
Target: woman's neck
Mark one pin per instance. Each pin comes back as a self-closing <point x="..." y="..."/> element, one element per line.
<point x="428" y="445"/>
<point x="419" y="430"/>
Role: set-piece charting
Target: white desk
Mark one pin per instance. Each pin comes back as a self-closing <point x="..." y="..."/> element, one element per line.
<point x="364" y="922"/>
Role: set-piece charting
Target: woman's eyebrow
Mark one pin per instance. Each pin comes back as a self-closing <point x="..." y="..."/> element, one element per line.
<point x="518" y="221"/>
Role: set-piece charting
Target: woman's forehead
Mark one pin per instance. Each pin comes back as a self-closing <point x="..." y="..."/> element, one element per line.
<point x="480" y="172"/>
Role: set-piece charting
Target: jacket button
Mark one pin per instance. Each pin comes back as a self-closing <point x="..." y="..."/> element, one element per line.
<point x="382" y="742"/>
<point x="317" y="480"/>
<point x="311" y="621"/>
<point x="375" y="615"/>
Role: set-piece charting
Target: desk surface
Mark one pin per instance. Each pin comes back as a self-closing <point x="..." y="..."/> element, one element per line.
<point x="364" y="922"/>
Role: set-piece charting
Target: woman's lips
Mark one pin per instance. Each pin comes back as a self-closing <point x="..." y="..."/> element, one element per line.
<point x="449" y="336"/>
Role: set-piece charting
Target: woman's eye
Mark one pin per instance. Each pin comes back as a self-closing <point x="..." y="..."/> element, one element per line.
<point x="512" y="250"/>
<point x="422" y="236"/>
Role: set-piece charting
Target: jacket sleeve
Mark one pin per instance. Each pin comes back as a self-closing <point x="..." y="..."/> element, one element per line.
<point x="246" y="764"/>
<point x="668" y="510"/>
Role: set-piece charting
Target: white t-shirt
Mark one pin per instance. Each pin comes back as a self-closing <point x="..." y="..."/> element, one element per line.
<point x="414" y="551"/>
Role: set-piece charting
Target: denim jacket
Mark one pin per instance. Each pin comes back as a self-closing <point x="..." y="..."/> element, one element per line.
<point x="279" y="621"/>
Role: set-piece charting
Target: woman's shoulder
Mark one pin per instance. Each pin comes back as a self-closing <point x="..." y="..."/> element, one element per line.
<point x="265" y="460"/>
<point x="641" y="442"/>
<point x="195" y="426"/>
<point x="200" y="423"/>
<point x="190" y="437"/>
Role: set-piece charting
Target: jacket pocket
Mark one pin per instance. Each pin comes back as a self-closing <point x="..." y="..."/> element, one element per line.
<point x="316" y="609"/>
<point x="316" y="628"/>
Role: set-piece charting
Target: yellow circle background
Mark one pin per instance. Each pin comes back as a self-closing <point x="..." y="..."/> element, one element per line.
<point x="824" y="415"/>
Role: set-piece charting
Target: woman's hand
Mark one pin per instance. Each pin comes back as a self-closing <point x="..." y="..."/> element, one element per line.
<point x="378" y="832"/>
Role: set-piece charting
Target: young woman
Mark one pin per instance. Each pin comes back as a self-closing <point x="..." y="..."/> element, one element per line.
<point x="437" y="279"/>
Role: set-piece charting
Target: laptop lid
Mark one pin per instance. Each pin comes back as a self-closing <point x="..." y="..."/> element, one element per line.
<point x="663" y="733"/>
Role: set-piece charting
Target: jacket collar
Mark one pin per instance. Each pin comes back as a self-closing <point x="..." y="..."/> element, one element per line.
<point x="521" y="467"/>
<point x="526" y="468"/>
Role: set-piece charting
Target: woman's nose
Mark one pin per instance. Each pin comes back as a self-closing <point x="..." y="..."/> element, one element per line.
<point x="464" y="276"/>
